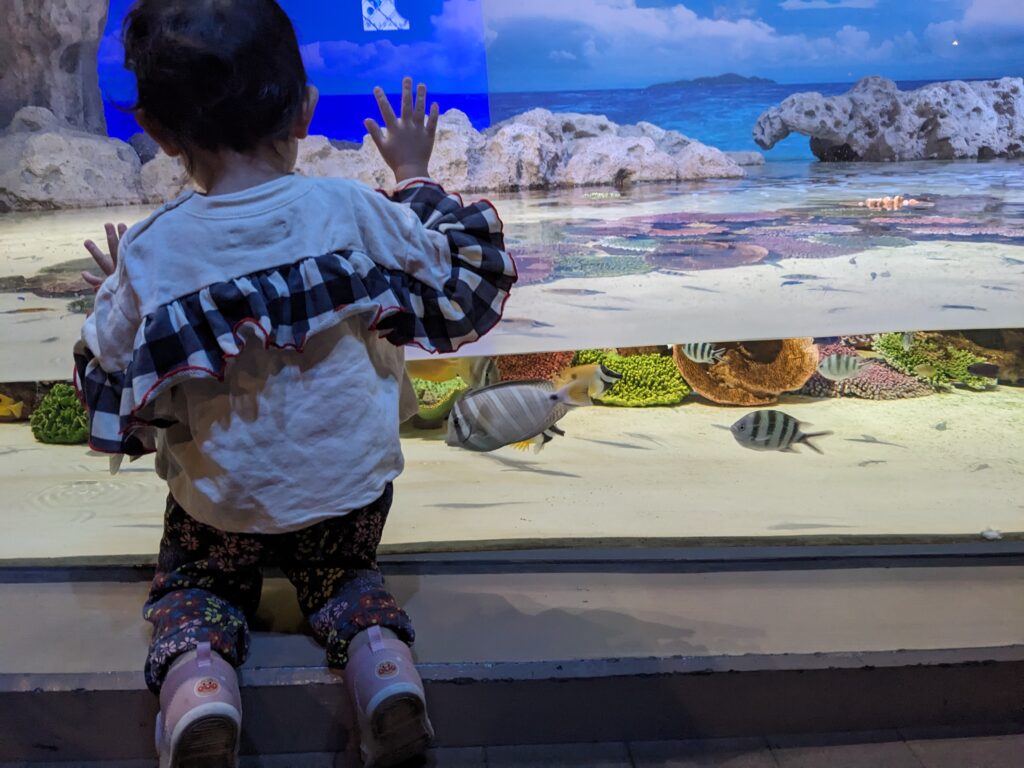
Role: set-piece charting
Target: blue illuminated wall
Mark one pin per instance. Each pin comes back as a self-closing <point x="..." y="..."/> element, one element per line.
<point x="350" y="46"/>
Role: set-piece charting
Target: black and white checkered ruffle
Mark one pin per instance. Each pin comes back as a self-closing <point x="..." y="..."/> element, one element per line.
<point x="195" y="335"/>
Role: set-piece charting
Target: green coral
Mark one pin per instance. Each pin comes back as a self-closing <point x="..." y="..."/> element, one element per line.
<point x="436" y="398"/>
<point x="646" y="379"/>
<point x="950" y="363"/>
<point x="60" y="418"/>
<point x="600" y="266"/>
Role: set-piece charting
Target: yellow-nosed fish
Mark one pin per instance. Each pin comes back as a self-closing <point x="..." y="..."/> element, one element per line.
<point x="599" y="378"/>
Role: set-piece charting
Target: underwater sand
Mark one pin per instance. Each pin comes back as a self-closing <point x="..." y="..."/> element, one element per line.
<point x="659" y="473"/>
<point x="958" y="265"/>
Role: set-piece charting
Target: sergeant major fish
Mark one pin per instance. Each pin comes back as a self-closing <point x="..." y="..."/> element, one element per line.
<point x="703" y="352"/>
<point x="772" y="431"/>
<point x="513" y="412"/>
<point x="840" y="367"/>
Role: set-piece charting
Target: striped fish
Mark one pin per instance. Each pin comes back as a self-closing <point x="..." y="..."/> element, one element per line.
<point x="516" y="412"/>
<point x="839" y="367"/>
<point x="771" y="431"/>
<point x="703" y="352"/>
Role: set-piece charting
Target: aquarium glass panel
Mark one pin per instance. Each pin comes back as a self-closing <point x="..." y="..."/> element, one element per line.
<point x="794" y="344"/>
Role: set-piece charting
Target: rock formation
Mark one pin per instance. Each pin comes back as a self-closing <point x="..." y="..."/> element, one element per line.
<point x="46" y="164"/>
<point x="875" y="121"/>
<point x="537" y="149"/>
<point x="48" y="59"/>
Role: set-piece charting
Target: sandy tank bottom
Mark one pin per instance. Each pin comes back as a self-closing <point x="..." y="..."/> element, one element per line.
<point x="948" y="464"/>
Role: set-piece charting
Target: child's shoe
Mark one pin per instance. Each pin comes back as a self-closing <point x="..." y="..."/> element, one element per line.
<point x="387" y="694"/>
<point x="200" y="716"/>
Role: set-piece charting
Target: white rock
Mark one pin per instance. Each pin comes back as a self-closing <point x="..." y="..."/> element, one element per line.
<point x="45" y="165"/>
<point x="457" y="150"/>
<point x="537" y="149"/>
<point x="517" y="156"/>
<point x="875" y="121"/>
<point x="746" y="158"/>
<point x="48" y="59"/>
<point x="699" y="161"/>
<point x="318" y="157"/>
<point x="617" y="160"/>
<point x="163" y="178"/>
<point x="667" y="141"/>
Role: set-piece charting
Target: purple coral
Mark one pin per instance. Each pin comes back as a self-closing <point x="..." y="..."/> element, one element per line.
<point x="875" y="382"/>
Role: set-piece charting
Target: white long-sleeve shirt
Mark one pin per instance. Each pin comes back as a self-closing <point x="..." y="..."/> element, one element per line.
<point x="288" y="438"/>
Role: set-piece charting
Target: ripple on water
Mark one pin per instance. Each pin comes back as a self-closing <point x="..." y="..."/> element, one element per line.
<point x="85" y="497"/>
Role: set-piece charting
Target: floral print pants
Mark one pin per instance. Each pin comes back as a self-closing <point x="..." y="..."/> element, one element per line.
<point x="208" y="584"/>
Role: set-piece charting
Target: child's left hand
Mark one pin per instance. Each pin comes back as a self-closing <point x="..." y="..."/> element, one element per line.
<point x="107" y="264"/>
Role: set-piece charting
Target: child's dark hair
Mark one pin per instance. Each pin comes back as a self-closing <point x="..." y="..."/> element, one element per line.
<point x="215" y="74"/>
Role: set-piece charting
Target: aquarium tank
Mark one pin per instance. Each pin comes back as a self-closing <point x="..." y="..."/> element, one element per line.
<point x="775" y="248"/>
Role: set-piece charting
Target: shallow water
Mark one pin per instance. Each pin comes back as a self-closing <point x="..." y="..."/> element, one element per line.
<point x="782" y="254"/>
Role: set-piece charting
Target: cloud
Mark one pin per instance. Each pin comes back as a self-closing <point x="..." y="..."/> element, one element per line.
<point x="815" y="5"/>
<point x="451" y="61"/>
<point x="987" y="28"/>
<point x="621" y="44"/>
<point x="560" y="56"/>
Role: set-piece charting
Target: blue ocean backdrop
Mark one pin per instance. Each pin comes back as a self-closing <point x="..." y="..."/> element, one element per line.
<point x="721" y="116"/>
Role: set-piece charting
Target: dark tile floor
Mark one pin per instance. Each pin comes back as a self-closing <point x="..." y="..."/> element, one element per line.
<point x="874" y="750"/>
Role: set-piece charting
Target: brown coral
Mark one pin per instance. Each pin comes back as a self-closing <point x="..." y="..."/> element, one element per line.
<point x="634" y="351"/>
<point x="535" y="365"/>
<point x="751" y="372"/>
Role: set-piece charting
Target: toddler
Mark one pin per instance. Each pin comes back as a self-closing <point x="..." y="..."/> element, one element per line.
<point x="251" y="335"/>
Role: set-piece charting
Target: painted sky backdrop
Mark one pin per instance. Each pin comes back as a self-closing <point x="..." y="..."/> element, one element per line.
<point x="476" y="46"/>
<point x="585" y="44"/>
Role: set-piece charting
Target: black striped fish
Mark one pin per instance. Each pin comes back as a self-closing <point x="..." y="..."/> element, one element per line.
<point x="771" y="431"/>
<point x="517" y="412"/>
<point x="703" y="352"/>
<point x="839" y="367"/>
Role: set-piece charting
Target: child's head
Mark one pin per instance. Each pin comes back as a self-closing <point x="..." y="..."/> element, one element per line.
<point x="218" y="76"/>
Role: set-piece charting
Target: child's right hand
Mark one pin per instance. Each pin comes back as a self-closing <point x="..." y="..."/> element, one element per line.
<point x="409" y="140"/>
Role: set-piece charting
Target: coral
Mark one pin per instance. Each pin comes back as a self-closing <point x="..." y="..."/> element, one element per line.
<point x="436" y="398"/>
<point x="60" y="418"/>
<point x="680" y="256"/>
<point x="600" y="266"/>
<point x="751" y="372"/>
<point x="786" y="246"/>
<point x="932" y="349"/>
<point x="646" y="379"/>
<point x="534" y="365"/>
<point x="1002" y="348"/>
<point x="876" y="382"/>
<point x="533" y="269"/>
<point x="633" y="351"/>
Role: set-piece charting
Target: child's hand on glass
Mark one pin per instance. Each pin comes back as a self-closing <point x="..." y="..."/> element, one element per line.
<point x="409" y="140"/>
<point x="107" y="264"/>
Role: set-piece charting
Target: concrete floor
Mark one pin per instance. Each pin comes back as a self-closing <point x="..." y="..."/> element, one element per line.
<point x="529" y="616"/>
<point x="890" y="749"/>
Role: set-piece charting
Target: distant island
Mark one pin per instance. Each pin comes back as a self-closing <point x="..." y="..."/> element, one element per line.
<point x="730" y="78"/>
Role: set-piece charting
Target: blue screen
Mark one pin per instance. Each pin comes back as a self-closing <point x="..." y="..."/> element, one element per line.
<point x="350" y="46"/>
